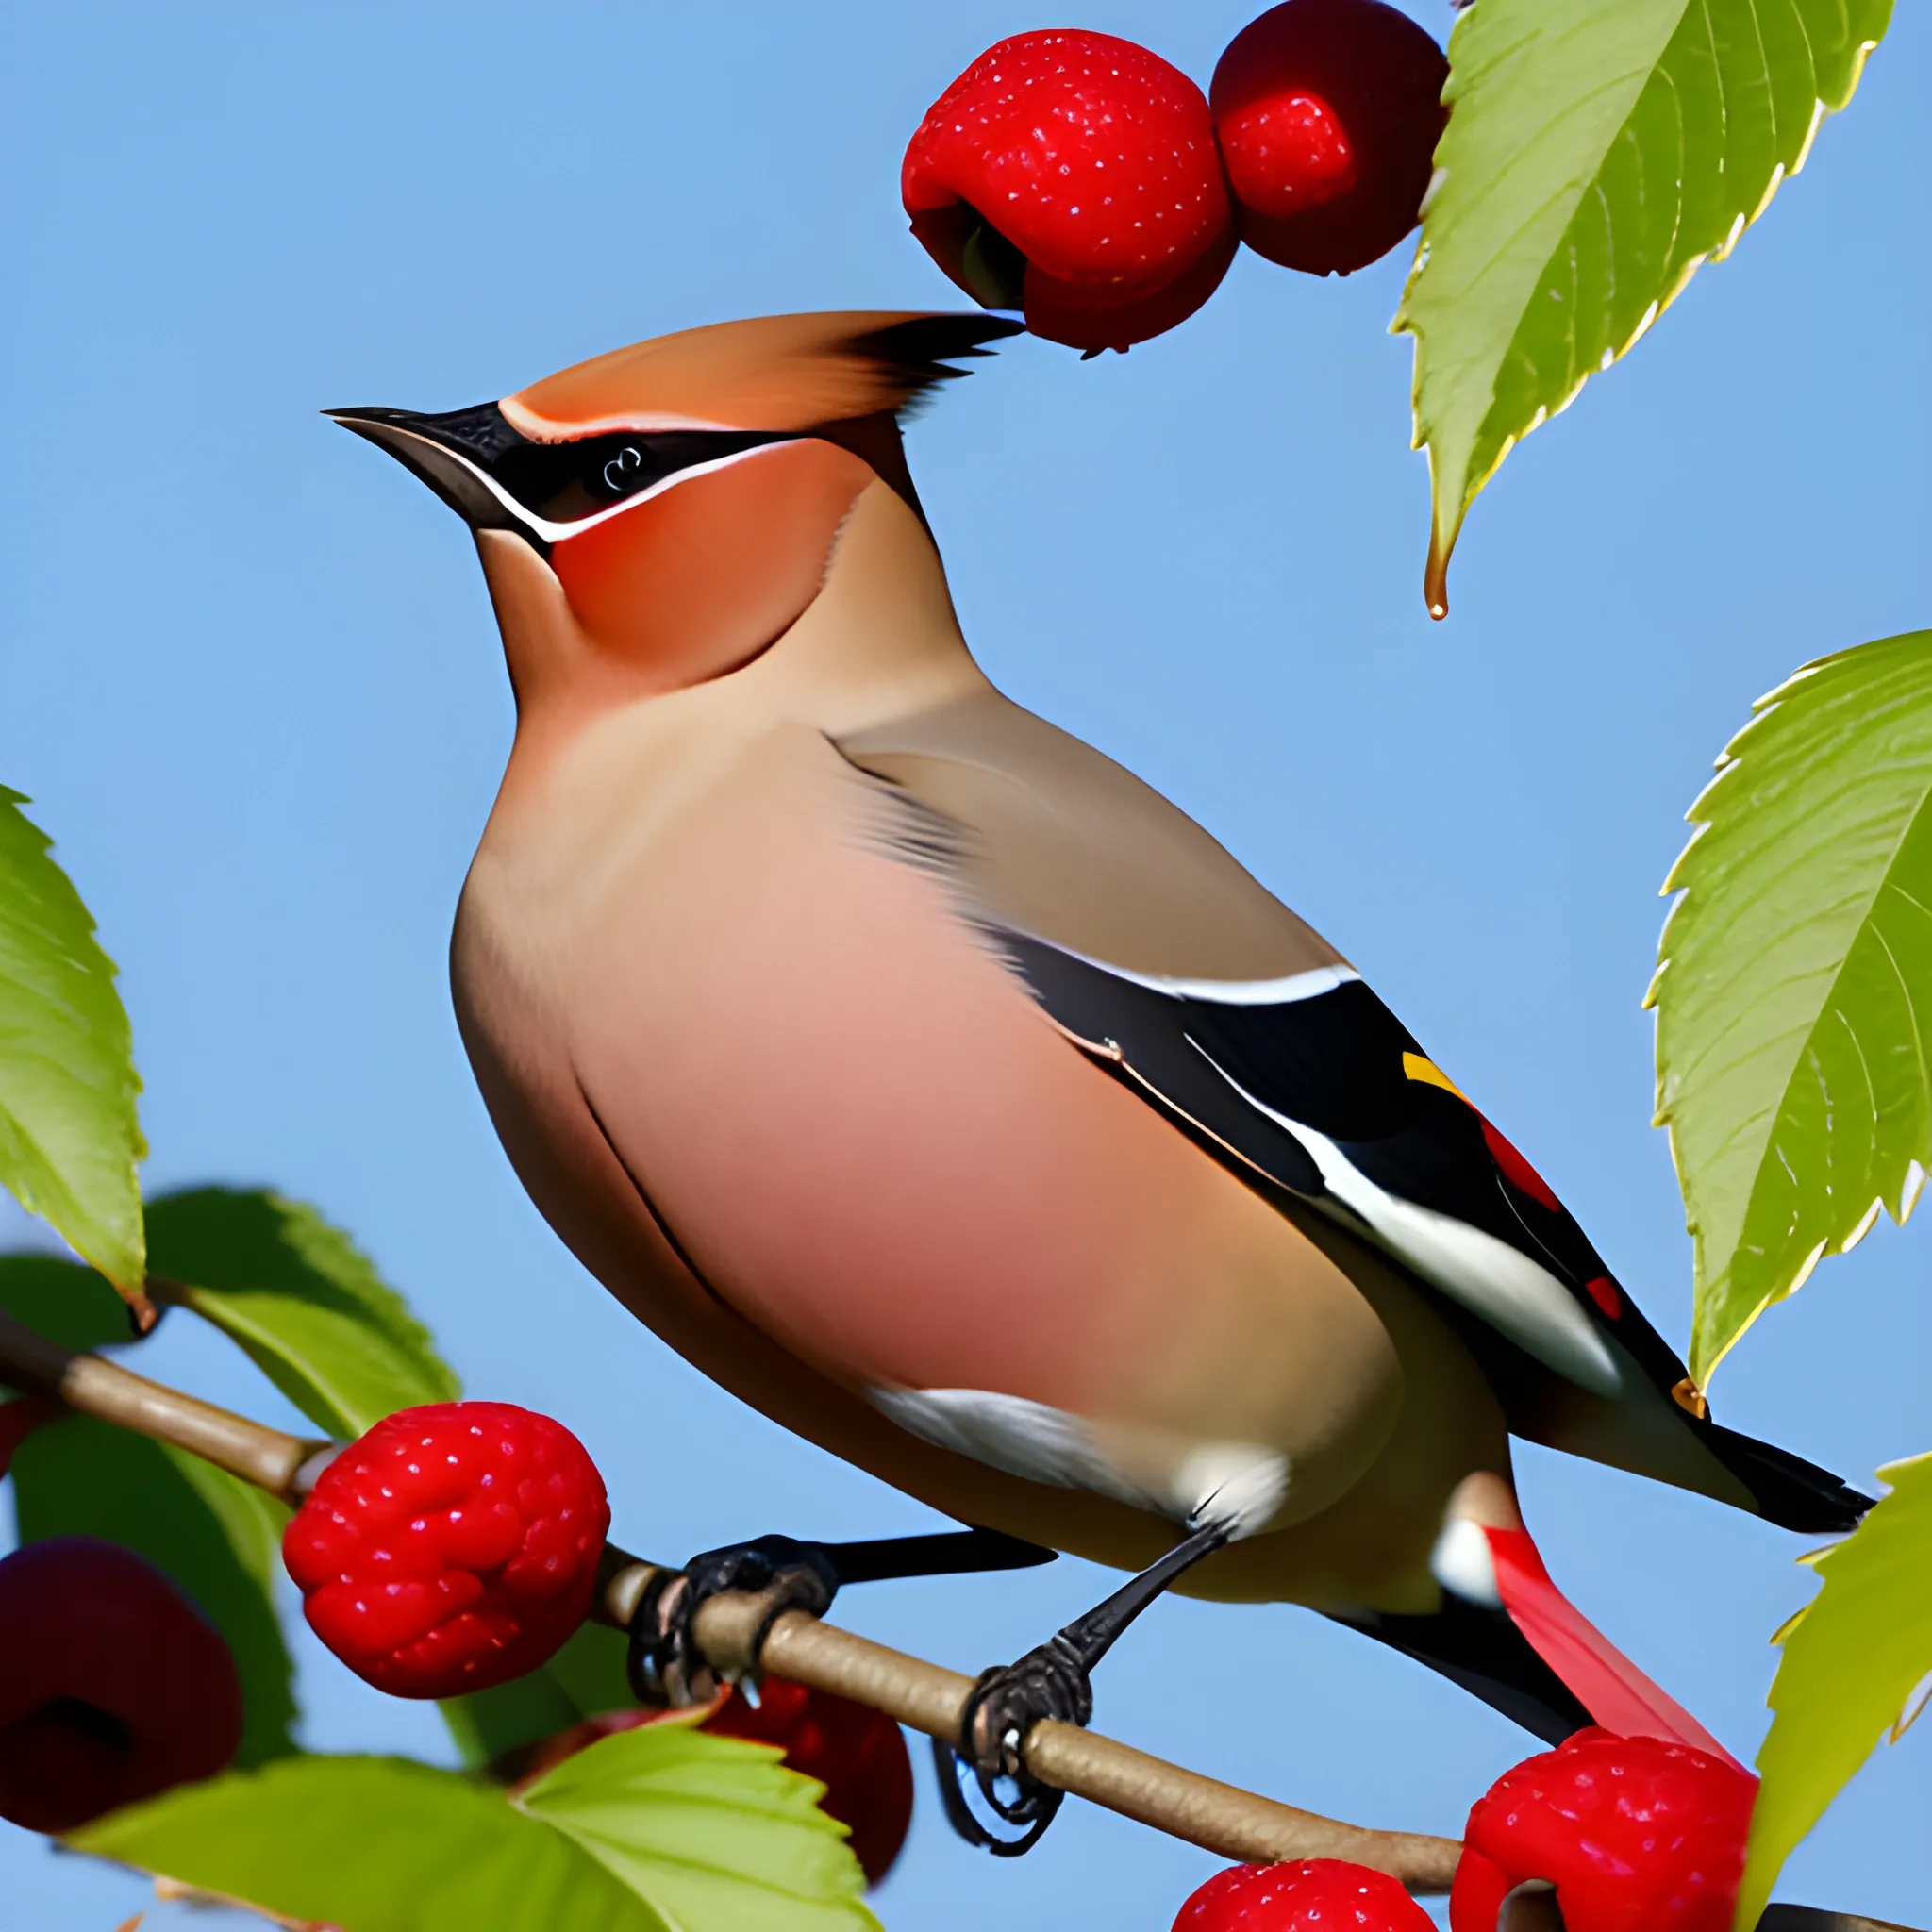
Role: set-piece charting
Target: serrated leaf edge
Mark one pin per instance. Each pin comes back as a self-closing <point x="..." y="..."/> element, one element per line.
<point x="127" y="1279"/>
<point x="1442" y="541"/>
<point x="1701" y="817"/>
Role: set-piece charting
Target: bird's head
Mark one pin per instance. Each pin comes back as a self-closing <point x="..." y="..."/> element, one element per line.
<point x="659" y="516"/>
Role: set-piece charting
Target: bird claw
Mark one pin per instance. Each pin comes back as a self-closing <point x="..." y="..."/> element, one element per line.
<point x="664" y="1663"/>
<point x="1001" y="1711"/>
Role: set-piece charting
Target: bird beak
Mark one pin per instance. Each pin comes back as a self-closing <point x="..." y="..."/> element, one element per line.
<point x="452" y="453"/>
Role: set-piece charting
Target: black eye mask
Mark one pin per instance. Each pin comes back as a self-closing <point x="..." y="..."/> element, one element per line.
<point x="561" y="483"/>
<point x="564" y="482"/>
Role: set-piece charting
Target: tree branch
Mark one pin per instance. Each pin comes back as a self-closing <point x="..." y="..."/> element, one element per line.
<point x="95" y="1386"/>
<point x="1218" y="1818"/>
<point x="1235" y="1824"/>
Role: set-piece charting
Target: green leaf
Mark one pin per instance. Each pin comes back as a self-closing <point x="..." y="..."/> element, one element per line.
<point x="70" y="1141"/>
<point x="1794" y="988"/>
<point x="713" y="1831"/>
<point x="1597" y="152"/>
<point x="67" y="1303"/>
<point x="301" y="1300"/>
<point x="584" y="1678"/>
<point x="1853" y="1658"/>
<point x="486" y="1725"/>
<point x="219" y="1537"/>
<point x="589" y="1668"/>
<point x="372" y="1844"/>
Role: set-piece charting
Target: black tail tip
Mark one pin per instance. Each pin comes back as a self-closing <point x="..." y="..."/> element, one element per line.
<point x="1789" y="1491"/>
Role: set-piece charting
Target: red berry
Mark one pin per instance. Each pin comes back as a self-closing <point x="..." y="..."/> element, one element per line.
<point x="1316" y="1895"/>
<point x="1637" y="1836"/>
<point x="113" y="1686"/>
<point x="453" y="1547"/>
<point x="1476" y="1896"/>
<point x="1328" y="112"/>
<point x="1073" y="176"/>
<point x="858" y="1754"/>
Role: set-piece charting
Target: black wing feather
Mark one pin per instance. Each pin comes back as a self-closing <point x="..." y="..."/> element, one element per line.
<point x="1334" y="1063"/>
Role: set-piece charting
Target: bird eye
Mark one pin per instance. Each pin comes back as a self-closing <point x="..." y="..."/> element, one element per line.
<point x="624" y="471"/>
<point x="566" y="482"/>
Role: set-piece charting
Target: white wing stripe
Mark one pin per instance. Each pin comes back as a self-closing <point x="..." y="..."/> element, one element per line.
<point x="1227" y="992"/>
<point x="1516" y="1296"/>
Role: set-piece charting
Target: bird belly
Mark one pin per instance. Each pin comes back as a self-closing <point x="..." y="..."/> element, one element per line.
<point x="877" y="1180"/>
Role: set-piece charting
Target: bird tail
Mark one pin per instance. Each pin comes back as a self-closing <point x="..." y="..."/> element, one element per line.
<point x="1616" y="1693"/>
<point x="1788" y="1491"/>
<point x="1480" y="1650"/>
<point x="1530" y="1653"/>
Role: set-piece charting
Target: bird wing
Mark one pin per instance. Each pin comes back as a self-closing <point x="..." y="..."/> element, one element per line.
<point x="1047" y="835"/>
<point x="1312" y="1082"/>
<point x="1160" y="955"/>
<point x="1154" y="951"/>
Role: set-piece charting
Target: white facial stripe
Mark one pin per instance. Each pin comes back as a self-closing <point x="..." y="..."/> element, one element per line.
<point x="557" y="533"/>
<point x="1516" y="1296"/>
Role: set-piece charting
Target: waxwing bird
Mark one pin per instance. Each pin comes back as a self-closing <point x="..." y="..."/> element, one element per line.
<point x="941" y="1090"/>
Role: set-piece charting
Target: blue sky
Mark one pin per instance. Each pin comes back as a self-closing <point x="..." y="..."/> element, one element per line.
<point x="251" y="681"/>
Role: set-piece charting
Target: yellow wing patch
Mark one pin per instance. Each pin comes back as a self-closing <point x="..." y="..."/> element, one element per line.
<point x="1431" y="1074"/>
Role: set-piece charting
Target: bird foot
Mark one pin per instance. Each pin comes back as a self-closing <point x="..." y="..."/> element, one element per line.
<point x="664" y="1663"/>
<point x="1002" y="1708"/>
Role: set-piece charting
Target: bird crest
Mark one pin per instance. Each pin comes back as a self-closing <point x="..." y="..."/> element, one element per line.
<point x="774" y="373"/>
